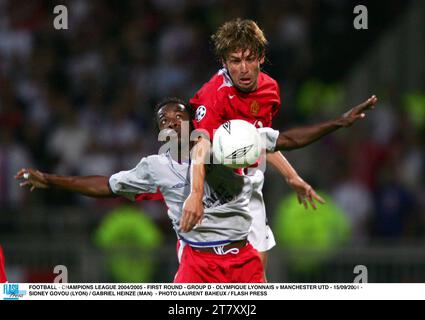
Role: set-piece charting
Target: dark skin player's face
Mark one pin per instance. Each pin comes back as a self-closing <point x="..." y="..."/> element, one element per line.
<point x="244" y="68"/>
<point x="171" y="116"/>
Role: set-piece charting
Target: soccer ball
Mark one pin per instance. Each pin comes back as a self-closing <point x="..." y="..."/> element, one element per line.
<point x="236" y="144"/>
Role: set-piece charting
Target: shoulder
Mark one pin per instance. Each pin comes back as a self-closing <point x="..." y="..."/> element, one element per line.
<point x="215" y="87"/>
<point x="154" y="160"/>
<point x="268" y="81"/>
<point x="215" y="81"/>
<point x="269" y="87"/>
<point x="154" y="157"/>
<point x="152" y="166"/>
<point x="146" y="164"/>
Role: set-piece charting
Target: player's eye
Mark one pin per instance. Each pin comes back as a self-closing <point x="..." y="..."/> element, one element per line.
<point x="178" y="116"/>
<point x="250" y="58"/>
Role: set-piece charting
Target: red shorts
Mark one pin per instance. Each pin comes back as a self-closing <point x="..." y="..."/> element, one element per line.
<point x="3" y="277"/>
<point x="205" y="267"/>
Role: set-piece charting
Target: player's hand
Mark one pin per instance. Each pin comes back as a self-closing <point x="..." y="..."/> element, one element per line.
<point x="305" y="193"/>
<point x="31" y="178"/>
<point x="193" y="211"/>
<point x="358" y="112"/>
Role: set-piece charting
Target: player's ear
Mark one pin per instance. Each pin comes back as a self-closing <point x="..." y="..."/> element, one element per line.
<point x="261" y="60"/>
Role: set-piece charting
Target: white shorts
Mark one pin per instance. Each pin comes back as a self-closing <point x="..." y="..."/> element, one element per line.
<point x="260" y="235"/>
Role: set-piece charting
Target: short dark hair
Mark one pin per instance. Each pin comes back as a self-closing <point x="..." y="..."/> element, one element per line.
<point x="237" y="35"/>
<point x="175" y="100"/>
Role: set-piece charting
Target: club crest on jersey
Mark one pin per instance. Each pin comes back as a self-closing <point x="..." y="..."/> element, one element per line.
<point x="254" y="108"/>
<point x="226" y="126"/>
<point x="200" y="113"/>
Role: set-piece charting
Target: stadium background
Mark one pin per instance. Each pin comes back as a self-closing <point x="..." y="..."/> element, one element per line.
<point x="80" y="101"/>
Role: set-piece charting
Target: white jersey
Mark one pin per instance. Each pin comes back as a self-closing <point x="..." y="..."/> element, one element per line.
<point x="226" y="199"/>
<point x="260" y="235"/>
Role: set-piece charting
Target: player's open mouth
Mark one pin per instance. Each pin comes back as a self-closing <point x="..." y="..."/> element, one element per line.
<point x="245" y="81"/>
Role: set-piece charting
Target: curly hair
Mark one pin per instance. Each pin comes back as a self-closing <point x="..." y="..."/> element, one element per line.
<point x="237" y="35"/>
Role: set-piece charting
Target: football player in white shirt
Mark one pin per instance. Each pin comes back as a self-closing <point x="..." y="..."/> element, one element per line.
<point x="214" y="249"/>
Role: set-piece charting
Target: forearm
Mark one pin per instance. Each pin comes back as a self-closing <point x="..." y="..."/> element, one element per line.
<point x="299" y="137"/>
<point x="92" y="186"/>
<point x="199" y="154"/>
<point x="198" y="178"/>
<point x="193" y="209"/>
<point x="304" y="191"/>
<point x="278" y="161"/>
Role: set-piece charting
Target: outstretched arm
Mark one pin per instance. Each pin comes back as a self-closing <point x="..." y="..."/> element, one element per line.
<point x="92" y="186"/>
<point x="304" y="191"/>
<point x="302" y="136"/>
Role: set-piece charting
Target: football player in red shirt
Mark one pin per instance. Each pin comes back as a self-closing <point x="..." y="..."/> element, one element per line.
<point x="241" y="91"/>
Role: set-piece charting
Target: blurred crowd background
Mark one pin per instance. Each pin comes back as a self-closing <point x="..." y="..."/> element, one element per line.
<point x="80" y="102"/>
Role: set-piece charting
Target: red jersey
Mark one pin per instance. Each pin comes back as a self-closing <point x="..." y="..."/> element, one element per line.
<point x="219" y="101"/>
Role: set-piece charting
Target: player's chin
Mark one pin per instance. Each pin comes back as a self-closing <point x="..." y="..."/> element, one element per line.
<point x="246" y="86"/>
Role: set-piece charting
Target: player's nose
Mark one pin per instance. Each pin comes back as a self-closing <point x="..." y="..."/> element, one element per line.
<point x="243" y="67"/>
<point x="173" y="124"/>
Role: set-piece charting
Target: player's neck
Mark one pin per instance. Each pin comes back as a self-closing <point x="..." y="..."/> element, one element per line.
<point x="183" y="155"/>
<point x="246" y="92"/>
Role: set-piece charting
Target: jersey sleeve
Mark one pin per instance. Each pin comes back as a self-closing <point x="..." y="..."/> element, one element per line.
<point x="134" y="182"/>
<point x="269" y="138"/>
<point x="208" y="115"/>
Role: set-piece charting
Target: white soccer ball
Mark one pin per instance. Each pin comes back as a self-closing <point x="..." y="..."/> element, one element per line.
<point x="237" y="144"/>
